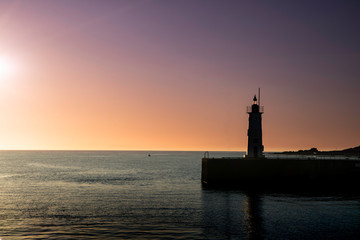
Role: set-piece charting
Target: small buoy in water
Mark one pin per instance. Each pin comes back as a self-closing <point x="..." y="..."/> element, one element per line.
<point x="149" y="155"/>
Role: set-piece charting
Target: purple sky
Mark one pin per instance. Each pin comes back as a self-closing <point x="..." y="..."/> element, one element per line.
<point x="187" y="69"/>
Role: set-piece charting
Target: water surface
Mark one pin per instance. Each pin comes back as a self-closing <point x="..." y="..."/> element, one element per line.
<point x="128" y="195"/>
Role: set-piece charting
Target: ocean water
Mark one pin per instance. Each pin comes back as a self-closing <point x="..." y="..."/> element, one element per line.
<point x="128" y="195"/>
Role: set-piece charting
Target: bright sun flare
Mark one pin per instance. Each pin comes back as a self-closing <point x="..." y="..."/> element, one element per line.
<point x="7" y="67"/>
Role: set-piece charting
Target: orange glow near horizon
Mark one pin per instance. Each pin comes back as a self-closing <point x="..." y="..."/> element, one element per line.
<point x="136" y="76"/>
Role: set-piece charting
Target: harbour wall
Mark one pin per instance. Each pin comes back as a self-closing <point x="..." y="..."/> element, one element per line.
<point x="263" y="172"/>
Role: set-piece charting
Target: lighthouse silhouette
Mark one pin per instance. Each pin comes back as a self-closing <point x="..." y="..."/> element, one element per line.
<point x="255" y="146"/>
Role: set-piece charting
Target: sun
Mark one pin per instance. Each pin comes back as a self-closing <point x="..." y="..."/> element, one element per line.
<point x="7" y="67"/>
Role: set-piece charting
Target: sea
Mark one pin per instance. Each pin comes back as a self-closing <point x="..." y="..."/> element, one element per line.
<point x="154" y="195"/>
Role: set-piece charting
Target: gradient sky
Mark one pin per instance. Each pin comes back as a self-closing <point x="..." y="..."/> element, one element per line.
<point x="178" y="75"/>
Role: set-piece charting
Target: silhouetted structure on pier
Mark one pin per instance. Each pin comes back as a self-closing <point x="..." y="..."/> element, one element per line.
<point x="257" y="171"/>
<point x="255" y="146"/>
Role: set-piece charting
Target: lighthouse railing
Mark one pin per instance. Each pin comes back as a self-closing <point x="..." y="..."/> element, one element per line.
<point x="249" y="109"/>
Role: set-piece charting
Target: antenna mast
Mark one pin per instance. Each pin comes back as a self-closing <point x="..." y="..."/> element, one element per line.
<point x="259" y="97"/>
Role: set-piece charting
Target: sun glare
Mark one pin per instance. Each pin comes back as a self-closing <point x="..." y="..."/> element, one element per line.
<point x="7" y="67"/>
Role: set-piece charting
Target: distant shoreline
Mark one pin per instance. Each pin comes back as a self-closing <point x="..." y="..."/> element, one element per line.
<point x="355" y="151"/>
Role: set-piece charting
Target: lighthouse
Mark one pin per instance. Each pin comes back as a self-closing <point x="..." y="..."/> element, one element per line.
<point x="255" y="146"/>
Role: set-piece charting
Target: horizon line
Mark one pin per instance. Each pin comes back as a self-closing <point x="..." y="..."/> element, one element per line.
<point x="122" y="150"/>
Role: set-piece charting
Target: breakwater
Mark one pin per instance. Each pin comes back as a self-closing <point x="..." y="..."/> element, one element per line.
<point x="281" y="173"/>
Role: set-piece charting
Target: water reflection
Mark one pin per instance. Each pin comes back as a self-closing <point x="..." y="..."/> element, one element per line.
<point x="253" y="221"/>
<point x="232" y="215"/>
<point x="244" y="214"/>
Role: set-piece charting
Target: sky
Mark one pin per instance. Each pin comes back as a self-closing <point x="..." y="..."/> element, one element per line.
<point x="178" y="75"/>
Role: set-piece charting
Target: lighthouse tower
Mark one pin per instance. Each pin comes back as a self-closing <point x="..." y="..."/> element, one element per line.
<point x="255" y="147"/>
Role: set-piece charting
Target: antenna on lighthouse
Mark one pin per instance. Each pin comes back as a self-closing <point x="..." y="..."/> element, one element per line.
<point x="259" y="97"/>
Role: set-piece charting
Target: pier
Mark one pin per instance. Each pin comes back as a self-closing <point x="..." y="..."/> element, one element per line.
<point x="273" y="171"/>
<point x="281" y="173"/>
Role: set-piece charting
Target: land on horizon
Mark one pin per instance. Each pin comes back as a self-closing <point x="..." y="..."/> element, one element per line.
<point x="314" y="151"/>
